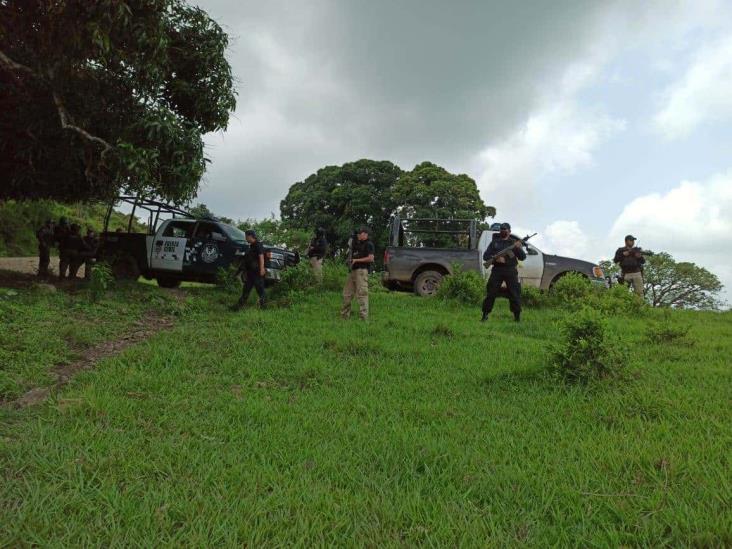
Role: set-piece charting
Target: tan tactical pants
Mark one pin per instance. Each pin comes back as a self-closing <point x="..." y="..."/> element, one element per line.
<point x="317" y="264"/>
<point x="635" y="280"/>
<point x="357" y="284"/>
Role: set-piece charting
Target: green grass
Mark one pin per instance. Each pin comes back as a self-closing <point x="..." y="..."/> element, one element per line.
<point x="423" y="426"/>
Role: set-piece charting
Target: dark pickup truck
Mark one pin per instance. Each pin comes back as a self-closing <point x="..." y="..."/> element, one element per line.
<point x="422" y="251"/>
<point x="179" y="248"/>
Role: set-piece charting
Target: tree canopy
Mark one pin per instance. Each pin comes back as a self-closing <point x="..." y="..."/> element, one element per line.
<point x="668" y="283"/>
<point x="340" y="198"/>
<point x="99" y="97"/>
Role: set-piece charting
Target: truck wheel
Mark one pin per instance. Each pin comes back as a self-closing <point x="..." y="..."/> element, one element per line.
<point x="125" y="268"/>
<point x="427" y="282"/>
<point x="168" y="282"/>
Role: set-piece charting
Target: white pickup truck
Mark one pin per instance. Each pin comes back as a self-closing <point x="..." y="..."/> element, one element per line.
<point x="422" y="251"/>
<point x="180" y="248"/>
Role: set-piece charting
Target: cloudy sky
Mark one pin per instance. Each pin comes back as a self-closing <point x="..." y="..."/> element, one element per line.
<point x="580" y="120"/>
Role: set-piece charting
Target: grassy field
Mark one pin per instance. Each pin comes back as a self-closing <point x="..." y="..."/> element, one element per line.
<point x="422" y="426"/>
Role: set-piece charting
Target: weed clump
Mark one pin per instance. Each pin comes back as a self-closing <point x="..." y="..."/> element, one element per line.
<point x="586" y="354"/>
<point x="101" y="280"/>
<point x="532" y="297"/>
<point x="443" y="331"/>
<point x="572" y="289"/>
<point x="228" y="280"/>
<point x="667" y="333"/>
<point x="462" y="286"/>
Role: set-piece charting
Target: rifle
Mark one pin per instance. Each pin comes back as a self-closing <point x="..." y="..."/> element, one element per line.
<point x="506" y="251"/>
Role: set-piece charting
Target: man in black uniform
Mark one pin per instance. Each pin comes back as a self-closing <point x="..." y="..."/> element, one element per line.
<point x="631" y="263"/>
<point x="91" y="246"/>
<point x="316" y="252"/>
<point x="254" y="269"/>
<point x="45" y="243"/>
<point x="60" y="235"/>
<point x="504" y="270"/>
<point x="75" y="248"/>
<point x="360" y="258"/>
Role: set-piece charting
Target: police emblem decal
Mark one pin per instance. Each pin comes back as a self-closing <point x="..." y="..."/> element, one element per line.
<point x="209" y="252"/>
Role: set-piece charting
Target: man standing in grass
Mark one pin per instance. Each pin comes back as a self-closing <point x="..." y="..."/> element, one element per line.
<point x="361" y="256"/>
<point x="505" y="269"/>
<point x="316" y="253"/>
<point x="631" y="263"/>
<point x="254" y="271"/>
<point x="45" y="242"/>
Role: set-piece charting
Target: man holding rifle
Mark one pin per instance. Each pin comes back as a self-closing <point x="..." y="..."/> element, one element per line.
<point x="504" y="254"/>
<point x="631" y="262"/>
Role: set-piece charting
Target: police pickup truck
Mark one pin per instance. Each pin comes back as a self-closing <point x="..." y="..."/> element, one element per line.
<point x="422" y="251"/>
<point x="179" y="248"/>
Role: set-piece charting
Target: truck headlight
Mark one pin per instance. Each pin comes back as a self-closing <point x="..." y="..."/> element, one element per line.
<point x="597" y="272"/>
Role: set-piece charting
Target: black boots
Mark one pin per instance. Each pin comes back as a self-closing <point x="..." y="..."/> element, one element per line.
<point x="517" y="317"/>
<point x="485" y="317"/>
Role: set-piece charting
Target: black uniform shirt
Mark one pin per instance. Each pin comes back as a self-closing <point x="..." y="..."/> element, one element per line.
<point x="629" y="264"/>
<point x="361" y="249"/>
<point x="45" y="237"/>
<point x="318" y="247"/>
<point x="499" y="244"/>
<point x="251" y="257"/>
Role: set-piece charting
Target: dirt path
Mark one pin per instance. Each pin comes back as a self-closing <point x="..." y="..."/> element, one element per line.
<point x="139" y="331"/>
<point x="27" y="265"/>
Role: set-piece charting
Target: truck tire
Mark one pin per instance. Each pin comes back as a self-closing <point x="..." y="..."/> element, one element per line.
<point x="168" y="282"/>
<point x="427" y="282"/>
<point x="124" y="267"/>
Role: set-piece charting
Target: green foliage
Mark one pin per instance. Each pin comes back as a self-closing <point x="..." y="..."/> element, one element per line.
<point x="682" y="285"/>
<point x="228" y="280"/>
<point x="665" y="332"/>
<point x="19" y="221"/>
<point x="533" y="298"/>
<point x="296" y="279"/>
<point x="334" y="275"/>
<point x="277" y="233"/>
<point x="466" y="287"/>
<point x="101" y="280"/>
<point x="572" y="289"/>
<point x="109" y="95"/>
<point x="586" y="354"/>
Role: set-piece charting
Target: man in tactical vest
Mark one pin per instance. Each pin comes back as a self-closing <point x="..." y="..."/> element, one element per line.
<point x="631" y="262"/>
<point x="254" y="271"/>
<point x="91" y="247"/>
<point x="45" y="243"/>
<point x="360" y="258"/>
<point x="75" y="248"/>
<point x="504" y="270"/>
<point x="60" y="236"/>
<point x="316" y="252"/>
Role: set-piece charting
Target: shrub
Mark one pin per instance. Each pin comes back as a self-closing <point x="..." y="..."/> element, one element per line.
<point x="586" y="354"/>
<point x="228" y="280"/>
<point x="667" y="333"/>
<point x="572" y="289"/>
<point x="334" y="275"/>
<point x="617" y="300"/>
<point x="532" y="297"/>
<point x="101" y="280"/>
<point x="296" y="279"/>
<point x="463" y="286"/>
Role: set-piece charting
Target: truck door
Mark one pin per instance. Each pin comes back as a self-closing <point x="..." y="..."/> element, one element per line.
<point x="208" y="249"/>
<point x="531" y="269"/>
<point x="169" y="245"/>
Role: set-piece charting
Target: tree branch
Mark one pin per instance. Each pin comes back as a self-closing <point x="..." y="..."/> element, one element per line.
<point x="11" y="65"/>
<point x="63" y="116"/>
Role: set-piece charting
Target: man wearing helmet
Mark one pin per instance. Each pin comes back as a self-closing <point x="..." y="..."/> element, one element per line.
<point x="504" y="270"/>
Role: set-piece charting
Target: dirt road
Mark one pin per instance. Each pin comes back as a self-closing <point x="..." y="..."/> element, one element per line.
<point x="26" y="265"/>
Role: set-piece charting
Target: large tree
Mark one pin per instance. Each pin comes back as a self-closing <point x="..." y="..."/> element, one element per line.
<point x="668" y="283"/>
<point x="108" y="95"/>
<point x="339" y="198"/>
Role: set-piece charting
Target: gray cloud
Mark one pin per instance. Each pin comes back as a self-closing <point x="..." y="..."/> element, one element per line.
<point x="328" y="82"/>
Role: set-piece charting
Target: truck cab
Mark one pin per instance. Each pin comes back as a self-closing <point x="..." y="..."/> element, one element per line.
<point x="181" y="247"/>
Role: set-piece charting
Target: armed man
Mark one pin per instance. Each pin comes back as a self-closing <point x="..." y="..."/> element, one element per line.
<point x="360" y="258"/>
<point x="74" y="247"/>
<point x="505" y="269"/>
<point x="631" y="261"/>
<point x="60" y="236"/>
<point x="254" y="271"/>
<point x="91" y="247"/>
<point x="45" y="243"/>
<point x="316" y="252"/>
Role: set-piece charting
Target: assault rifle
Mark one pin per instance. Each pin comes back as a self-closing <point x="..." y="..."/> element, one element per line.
<point x="506" y="251"/>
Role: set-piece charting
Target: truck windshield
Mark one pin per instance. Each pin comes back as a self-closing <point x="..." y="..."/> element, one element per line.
<point x="233" y="233"/>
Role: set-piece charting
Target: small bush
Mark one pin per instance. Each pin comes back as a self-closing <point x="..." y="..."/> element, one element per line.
<point x="617" y="300"/>
<point x="228" y="280"/>
<point x="101" y="280"/>
<point x="667" y="333"/>
<point x="334" y="275"/>
<point x="466" y="287"/>
<point x="443" y="331"/>
<point x="571" y="289"/>
<point x="586" y="354"/>
<point x="533" y="298"/>
<point x="296" y="279"/>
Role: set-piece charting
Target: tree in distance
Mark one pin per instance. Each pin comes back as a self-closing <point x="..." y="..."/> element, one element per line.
<point x="108" y="96"/>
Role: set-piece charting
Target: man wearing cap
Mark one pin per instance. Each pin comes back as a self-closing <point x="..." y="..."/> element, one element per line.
<point x="504" y="270"/>
<point x="316" y="252"/>
<point x="253" y="266"/>
<point x="631" y="263"/>
<point x="361" y="256"/>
